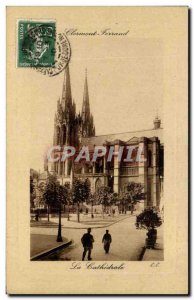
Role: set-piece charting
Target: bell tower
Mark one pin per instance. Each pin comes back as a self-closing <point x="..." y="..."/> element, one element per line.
<point x="69" y="127"/>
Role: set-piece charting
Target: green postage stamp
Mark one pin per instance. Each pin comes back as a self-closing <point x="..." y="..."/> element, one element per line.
<point x="36" y="43"/>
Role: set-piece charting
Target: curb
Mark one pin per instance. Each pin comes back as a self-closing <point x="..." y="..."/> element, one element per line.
<point x="50" y="251"/>
<point x="102" y="226"/>
<point x="147" y="249"/>
<point x="142" y="253"/>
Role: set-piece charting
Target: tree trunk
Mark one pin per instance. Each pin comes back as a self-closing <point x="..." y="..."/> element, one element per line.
<point x="110" y="211"/>
<point x="78" y="214"/>
<point x="48" y="211"/>
<point x="92" y="213"/>
<point x="68" y="211"/>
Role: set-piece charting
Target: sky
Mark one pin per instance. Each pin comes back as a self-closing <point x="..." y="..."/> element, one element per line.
<point x="125" y="80"/>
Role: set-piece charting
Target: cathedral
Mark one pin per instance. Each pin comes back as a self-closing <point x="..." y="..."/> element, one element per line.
<point x="77" y="129"/>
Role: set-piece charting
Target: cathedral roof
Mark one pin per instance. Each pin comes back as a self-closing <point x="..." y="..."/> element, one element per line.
<point x="124" y="136"/>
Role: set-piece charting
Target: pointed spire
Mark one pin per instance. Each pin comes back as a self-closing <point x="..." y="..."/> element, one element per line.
<point x="86" y="104"/>
<point x="66" y="100"/>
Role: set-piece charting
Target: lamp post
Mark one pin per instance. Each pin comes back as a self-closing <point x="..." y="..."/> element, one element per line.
<point x="59" y="237"/>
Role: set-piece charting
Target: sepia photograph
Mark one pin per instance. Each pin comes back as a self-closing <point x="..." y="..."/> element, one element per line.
<point x="97" y="191"/>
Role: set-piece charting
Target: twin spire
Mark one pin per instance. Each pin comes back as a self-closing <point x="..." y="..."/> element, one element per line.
<point x="66" y="108"/>
<point x="88" y="128"/>
<point x="66" y="100"/>
<point x="85" y="104"/>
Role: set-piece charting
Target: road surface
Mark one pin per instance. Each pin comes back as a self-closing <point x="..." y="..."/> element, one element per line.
<point x="127" y="242"/>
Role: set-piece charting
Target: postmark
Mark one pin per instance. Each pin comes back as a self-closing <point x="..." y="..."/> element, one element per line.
<point x="36" y="43"/>
<point x="62" y="56"/>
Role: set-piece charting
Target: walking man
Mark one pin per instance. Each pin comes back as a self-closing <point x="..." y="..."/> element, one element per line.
<point x="87" y="242"/>
<point x="107" y="240"/>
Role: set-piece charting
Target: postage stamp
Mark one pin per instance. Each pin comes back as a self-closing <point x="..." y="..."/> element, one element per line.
<point x="36" y="43"/>
<point x="62" y="56"/>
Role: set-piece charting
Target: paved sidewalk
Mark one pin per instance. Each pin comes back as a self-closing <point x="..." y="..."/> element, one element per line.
<point x="40" y="243"/>
<point x="156" y="254"/>
<point x="85" y="221"/>
<point x="127" y="242"/>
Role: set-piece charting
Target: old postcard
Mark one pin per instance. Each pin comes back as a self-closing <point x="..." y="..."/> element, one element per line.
<point x="97" y="138"/>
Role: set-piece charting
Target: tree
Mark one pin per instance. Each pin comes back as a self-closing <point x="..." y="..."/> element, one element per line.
<point x="49" y="194"/>
<point x="68" y="196"/>
<point x="32" y="192"/>
<point x="80" y="193"/>
<point x="92" y="200"/>
<point x="33" y="178"/>
<point x="149" y="219"/>
<point x="114" y="199"/>
<point x="104" y="197"/>
<point x="55" y="195"/>
<point x="61" y="198"/>
<point x="135" y="189"/>
<point x="39" y="194"/>
<point x="132" y="195"/>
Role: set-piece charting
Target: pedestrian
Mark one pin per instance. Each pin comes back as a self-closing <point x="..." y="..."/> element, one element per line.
<point x="87" y="242"/>
<point x="107" y="240"/>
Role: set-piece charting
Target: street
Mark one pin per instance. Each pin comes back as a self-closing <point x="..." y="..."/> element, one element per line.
<point x="127" y="242"/>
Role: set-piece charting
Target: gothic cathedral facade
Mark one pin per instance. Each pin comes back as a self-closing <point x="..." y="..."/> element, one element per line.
<point x="77" y="129"/>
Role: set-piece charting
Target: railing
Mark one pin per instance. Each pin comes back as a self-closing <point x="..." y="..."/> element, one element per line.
<point x="129" y="171"/>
